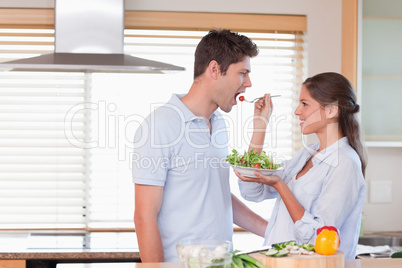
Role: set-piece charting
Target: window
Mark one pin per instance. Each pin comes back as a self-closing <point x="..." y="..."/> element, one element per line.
<point x="42" y="176"/>
<point x="48" y="180"/>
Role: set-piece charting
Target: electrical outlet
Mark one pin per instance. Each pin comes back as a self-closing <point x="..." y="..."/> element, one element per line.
<point x="380" y="191"/>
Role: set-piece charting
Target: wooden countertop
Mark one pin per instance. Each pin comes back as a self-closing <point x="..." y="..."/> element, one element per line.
<point x="365" y="263"/>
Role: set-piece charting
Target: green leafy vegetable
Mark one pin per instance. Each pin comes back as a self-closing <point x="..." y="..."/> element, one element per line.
<point x="309" y="247"/>
<point x="283" y="249"/>
<point x="280" y="246"/>
<point x="216" y="261"/>
<point x="250" y="159"/>
<point x="245" y="261"/>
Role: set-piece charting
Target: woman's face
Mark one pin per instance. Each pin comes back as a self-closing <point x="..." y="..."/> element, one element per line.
<point x="311" y="114"/>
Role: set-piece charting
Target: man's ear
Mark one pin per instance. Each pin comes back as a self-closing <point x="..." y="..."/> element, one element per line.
<point x="331" y="111"/>
<point x="214" y="69"/>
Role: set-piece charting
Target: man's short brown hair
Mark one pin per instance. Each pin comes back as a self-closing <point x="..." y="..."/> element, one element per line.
<point x="223" y="46"/>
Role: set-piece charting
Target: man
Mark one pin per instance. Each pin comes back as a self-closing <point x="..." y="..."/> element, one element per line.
<point x="183" y="191"/>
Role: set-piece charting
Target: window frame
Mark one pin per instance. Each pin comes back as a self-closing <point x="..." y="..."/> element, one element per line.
<point x="167" y="20"/>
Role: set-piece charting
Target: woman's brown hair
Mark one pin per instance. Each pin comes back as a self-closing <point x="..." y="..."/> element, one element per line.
<point x="333" y="88"/>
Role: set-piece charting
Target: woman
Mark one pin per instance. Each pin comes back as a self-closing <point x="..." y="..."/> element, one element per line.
<point x="323" y="185"/>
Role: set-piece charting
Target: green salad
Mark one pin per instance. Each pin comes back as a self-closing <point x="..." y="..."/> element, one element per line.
<point x="251" y="159"/>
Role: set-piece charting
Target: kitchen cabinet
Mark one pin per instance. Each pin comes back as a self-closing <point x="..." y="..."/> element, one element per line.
<point x="381" y="72"/>
<point x="12" y="263"/>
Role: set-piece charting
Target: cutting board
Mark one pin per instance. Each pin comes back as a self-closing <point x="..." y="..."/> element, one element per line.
<point x="302" y="261"/>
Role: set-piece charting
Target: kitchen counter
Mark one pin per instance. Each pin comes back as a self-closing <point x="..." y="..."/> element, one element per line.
<point x="71" y="254"/>
<point x="385" y="233"/>
<point x="62" y="247"/>
<point x="69" y="246"/>
<point x="47" y="245"/>
<point x="377" y="243"/>
<point x="366" y="263"/>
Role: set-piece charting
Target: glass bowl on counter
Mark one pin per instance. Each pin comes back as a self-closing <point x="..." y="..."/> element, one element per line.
<point x="205" y="253"/>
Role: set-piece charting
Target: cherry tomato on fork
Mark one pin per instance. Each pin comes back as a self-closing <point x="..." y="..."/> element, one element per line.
<point x="241" y="98"/>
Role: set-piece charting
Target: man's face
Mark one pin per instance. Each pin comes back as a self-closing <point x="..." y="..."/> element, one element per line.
<point x="233" y="83"/>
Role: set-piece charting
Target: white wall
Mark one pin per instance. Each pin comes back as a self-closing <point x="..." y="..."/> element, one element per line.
<point x="384" y="164"/>
<point x="324" y="54"/>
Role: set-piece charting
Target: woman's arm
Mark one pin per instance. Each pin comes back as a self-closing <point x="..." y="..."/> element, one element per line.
<point x="341" y="194"/>
<point x="338" y="196"/>
<point x="262" y="112"/>
<point x="296" y="211"/>
<point x="294" y="208"/>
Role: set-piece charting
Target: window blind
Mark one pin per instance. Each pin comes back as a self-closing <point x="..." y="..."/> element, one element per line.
<point x="42" y="175"/>
<point x="278" y="70"/>
<point x="47" y="180"/>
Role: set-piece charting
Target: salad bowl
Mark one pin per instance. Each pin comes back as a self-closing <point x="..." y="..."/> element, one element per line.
<point x="252" y="161"/>
<point x="249" y="171"/>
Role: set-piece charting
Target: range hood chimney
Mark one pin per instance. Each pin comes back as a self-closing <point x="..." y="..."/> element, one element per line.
<point x="89" y="36"/>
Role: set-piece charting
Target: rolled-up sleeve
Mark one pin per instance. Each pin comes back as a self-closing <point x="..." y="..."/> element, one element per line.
<point x="306" y="227"/>
<point x="256" y="192"/>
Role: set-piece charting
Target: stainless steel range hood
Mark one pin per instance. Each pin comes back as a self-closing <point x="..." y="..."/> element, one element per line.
<point x="89" y="36"/>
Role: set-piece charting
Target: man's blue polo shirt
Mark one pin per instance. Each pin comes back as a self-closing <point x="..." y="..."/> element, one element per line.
<point x="175" y="149"/>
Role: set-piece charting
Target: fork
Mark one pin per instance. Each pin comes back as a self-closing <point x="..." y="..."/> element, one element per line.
<point x="252" y="101"/>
